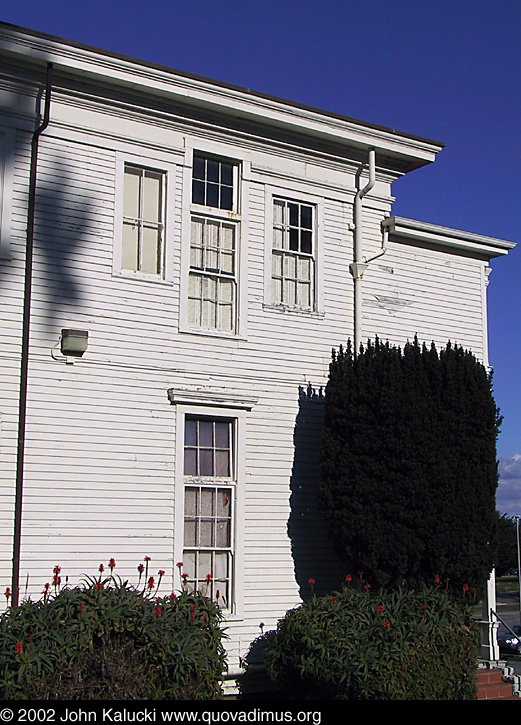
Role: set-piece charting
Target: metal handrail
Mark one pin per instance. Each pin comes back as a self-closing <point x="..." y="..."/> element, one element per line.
<point x="517" y="636"/>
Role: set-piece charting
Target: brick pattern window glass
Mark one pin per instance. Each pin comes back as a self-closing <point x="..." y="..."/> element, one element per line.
<point x="293" y="265"/>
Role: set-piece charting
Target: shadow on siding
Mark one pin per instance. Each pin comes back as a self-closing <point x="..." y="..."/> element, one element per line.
<point x="313" y="554"/>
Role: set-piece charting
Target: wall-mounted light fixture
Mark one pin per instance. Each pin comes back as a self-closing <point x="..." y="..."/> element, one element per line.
<point x="73" y="344"/>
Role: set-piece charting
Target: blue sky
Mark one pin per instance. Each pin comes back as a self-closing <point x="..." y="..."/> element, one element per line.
<point x="449" y="70"/>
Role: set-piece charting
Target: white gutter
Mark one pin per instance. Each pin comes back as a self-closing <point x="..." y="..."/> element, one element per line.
<point x="359" y="264"/>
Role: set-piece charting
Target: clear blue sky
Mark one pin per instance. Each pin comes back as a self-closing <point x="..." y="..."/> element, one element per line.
<point x="449" y="70"/>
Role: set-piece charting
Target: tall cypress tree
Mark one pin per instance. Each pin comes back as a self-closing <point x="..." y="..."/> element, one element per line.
<point x="409" y="469"/>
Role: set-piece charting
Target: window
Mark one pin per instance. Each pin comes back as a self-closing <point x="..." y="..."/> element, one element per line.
<point x="143" y="222"/>
<point x="214" y="232"/>
<point x="293" y="264"/>
<point x="208" y="506"/>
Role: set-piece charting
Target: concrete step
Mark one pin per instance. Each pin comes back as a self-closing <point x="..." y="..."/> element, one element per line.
<point x="491" y="686"/>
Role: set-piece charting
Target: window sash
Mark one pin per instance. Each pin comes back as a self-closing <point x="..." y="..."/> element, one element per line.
<point x="292" y="261"/>
<point x="209" y="507"/>
<point x="214" y="183"/>
<point x="142" y="248"/>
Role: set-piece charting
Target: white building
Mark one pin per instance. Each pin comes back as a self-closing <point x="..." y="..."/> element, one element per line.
<point x="212" y="245"/>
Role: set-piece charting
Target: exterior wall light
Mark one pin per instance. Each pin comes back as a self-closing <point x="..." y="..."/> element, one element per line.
<point x="74" y="342"/>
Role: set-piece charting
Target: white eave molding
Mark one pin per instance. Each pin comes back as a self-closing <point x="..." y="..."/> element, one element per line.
<point x="210" y="398"/>
<point x="409" y="229"/>
<point x="76" y="59"/>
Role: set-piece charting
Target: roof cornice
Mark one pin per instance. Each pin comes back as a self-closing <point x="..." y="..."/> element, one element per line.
<point x="409" y="229"/>
<point x="75" y="59"/>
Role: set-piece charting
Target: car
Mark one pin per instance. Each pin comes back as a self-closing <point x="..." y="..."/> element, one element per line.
<point x="508" y="642"/>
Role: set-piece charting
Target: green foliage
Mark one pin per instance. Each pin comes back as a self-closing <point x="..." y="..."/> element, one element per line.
<point x="409" y="470"/>
<point x="109" y="640"/>
<point x="390" y="645"/>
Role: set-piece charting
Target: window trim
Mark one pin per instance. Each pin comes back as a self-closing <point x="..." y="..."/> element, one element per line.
<point x="240" y="217"/>
<point x="169" y="171"/>
<point x="238" y="418"/>
<point x="7" y="158"/>
<point x="286" y="193"/>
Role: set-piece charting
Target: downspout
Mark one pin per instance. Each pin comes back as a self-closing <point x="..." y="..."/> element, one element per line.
<point x="24" y="364"/>
<point x="359" y="264"/>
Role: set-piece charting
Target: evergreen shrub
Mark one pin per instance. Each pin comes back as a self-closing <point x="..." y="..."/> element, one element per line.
<point x="109" y="640"/>
<point x="387" y="645"/>
<point x="409" y="465"/>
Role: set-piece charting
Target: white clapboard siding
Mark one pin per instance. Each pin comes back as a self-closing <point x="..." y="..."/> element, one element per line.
<point x="100" y="464"/>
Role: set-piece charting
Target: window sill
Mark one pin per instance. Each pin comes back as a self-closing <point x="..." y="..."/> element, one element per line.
<point x="213" y="333"/>
<point x="271" y="307"/>
<point x="136" y="277"/>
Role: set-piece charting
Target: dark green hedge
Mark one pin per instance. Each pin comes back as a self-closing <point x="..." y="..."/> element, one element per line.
<point x="359" y="645"/>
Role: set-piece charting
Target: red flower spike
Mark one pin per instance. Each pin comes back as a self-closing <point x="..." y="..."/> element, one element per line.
<point x="208" y="578"/>
<point x="7" y="593"/>
<point x="147" y="558"/>
<point x="349" y="578"/>
<point x="179" y="564"/>
<point x="157" y="612"/>
<point x="101" y="568"/>
<point x="150" y="583"/>
<point x="436" y="579"/>
<point x="160" y="573"/>
<point x="141" y="568"/>
<point x="387" y="624"/>
<point x="18" y="648"/>
<point x="333" y="599"/>
<point x="380" y="609"/>
<point x="112" y="564"/>
<point x="57" y="569"/>
<point x="311" y="583"/>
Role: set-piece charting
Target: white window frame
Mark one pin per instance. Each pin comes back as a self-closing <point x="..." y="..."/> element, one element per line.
<point x="295" y="194"/>
<point x="169" y="171"/>
<point x="204" y="408"/>
<point x="7" y="153"/>
<point x="238" y="217"/>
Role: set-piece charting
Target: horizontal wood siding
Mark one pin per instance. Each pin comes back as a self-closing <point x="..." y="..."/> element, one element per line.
<point x="101" y="438"/>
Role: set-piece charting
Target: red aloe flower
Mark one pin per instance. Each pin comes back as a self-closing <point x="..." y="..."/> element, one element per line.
<point x="349" y="578"/>
<point x="18" y="648"/>
<point x="311" y="583"/>
<point x="101" y="568"/>
<point x="56" y="580"/>
<point x="157" y="612"/>
<point x="140" y="569"/>
<point x="436" y="579"/>
<point x="465" y="589"/>
<point x="387" y="624"/>
<point x="57" y="569"/>
<point x="173" y="596"/>
<point x="425" y="607"/>
<point x="160" y="573"/>
<point x="333" y="599"/>
<point x="208" y="578"/>
<point x="98" y="585"/>
<point x="80" y="607"/>
<point x="147" y="558"/>
<point x="367" y="587"/>
<point x="7" y="593"/>
<point x="380" y="609"/>
<point x="112" y="564"/>
<point x="150" y="583"/>
<point x="179" y="564"/>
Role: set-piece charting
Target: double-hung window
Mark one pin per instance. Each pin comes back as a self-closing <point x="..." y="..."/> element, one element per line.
<point x="293" y="254"/>
<point x="143" y="233"/>
<point x="214" y="238"/>
<point x="209" y="494"/>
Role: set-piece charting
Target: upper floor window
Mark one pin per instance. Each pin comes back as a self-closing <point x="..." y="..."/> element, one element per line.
<point x="213" y="183"/>
<point x="293" y="261"/>
<point x="142" y="244"/>
<point x="7" y="151"/>
<point x="214" y="241"/>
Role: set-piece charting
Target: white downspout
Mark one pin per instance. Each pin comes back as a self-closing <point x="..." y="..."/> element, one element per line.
<point x="359" y="265"/>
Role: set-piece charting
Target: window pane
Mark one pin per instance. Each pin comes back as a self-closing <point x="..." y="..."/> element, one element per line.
<point x="293" y="215"/>
<point x="190" y="533"/>
<point x="212" y="170"/>
<point x="222" y="466"/>
<point x="206" y="462"/>
<point x="226" y="198"/>
<point x="306" y="217"/>
<point x="130" y="247"/>
<point x="227" y="174"/>
<point x="206" y="536"/>
<point x="151" y="251"/>
<point x="152" y="197"/>
<point x="198" y="188"/>
<point x="223" y="533"/>
<point x="305" y="242"/>
<point x="198" y="168"/>
<point x="212" y="195"/>
<point x="293" y="240"/>
<point x="222" y="434"/>
<point x="206" y="433"/>
<point x="208" y="502"/>
<point x="191" y="498"/>
<point x="190" y="432"/>
<point x="131" y="192"/>
<point x="190" y="462"/>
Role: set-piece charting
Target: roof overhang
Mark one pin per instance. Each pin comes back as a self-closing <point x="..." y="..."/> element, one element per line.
<point x="74" y="59"/>
<point x="401" y="229"/>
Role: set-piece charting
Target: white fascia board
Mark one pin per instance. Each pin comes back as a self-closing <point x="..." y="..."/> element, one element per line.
<point x="446" y="237"/>
<point x="76" y="59"/>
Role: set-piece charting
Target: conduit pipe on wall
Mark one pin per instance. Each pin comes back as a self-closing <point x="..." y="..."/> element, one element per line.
<point x="360" y="263"/>
<point x="24" y="362"/>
